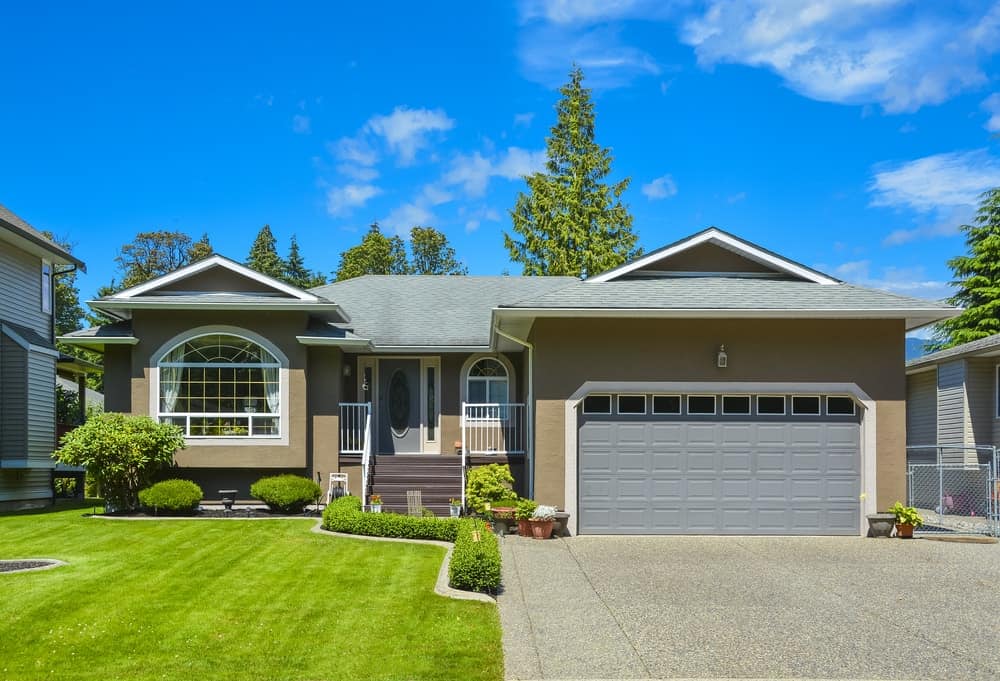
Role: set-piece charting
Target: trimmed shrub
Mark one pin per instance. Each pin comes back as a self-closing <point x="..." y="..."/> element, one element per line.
<point x="344" y="515"/>
<point x="489" y="485"/>
<point x="171" y="497"/>
<point x="475" y="560"/>
<point x="286" y="493"/>
<point x="121" y="453"/>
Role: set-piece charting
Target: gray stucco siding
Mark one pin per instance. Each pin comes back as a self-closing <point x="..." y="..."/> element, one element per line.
<point x="19" y="487"/>
<point x="21" y="290"/>
<point x="13" y="399"/>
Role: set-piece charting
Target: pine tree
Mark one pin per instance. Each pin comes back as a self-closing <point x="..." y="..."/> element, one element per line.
<point x="376" y="254"/>
<point x="570" y="221"/>
<point x="977" y="279"/>
<point x="432" y="254"/>
<point x="200" y="249"/>
<point x="264" y="256"/>
<point x="296" y="272"/>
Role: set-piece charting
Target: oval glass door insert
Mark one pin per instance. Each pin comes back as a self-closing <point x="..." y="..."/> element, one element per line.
<point x="399" y="403"/>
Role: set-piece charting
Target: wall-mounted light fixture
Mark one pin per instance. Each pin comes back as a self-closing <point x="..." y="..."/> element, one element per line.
<point x="722" y="359"/>
<point x="347" y="371"/>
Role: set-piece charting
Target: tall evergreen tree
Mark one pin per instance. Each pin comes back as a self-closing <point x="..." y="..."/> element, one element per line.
<point x="570" y="221"/>
<point x="432" y="254"/>
<point x="264" y="256"/>
<point x="296" y="272"/>
<point x="976" y="278"/>
<point x="376" y="254"/>
<point x="200" y="249"/>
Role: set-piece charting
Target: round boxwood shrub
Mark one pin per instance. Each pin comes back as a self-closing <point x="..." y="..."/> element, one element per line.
<point x="171" y="497"/>
<point x="285" y="493"/>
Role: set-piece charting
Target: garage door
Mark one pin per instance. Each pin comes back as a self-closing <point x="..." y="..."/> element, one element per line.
<point x="719" y="464"/>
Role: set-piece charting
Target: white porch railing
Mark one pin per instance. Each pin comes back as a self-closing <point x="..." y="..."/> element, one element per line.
<point x="354" y="425"/>
<point x="494" y="428"/>
<point x="366" y="459"/>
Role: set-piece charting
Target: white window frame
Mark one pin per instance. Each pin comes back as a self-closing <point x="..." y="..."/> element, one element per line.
<point x="46" y="286"/>
<point x="583" y="405"/>
<point x="715" y="406"/>
<point x="737" y="413"/>
<point x="471" y="362"/>
<point x="224" y="440"/>
<point x="652" y="405"/>
<point x="618" y="403"/>
<point x="819" y="406"/>
<point x="854" y="406"/>
<point x="784" y="405"/>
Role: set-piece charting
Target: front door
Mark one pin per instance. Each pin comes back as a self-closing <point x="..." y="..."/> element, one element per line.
<point x="398" y="414"/>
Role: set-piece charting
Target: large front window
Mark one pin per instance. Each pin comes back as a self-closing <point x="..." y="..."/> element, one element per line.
<point x="221" y="385"/>
<point x="488" y="382"/>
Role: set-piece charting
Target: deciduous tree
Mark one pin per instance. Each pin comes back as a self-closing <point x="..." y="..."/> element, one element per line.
<point x="432" y="254"/>
<point x="376" y="254"/>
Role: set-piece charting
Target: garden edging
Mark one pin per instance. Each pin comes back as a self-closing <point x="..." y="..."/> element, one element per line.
<point x="441" y="587"/>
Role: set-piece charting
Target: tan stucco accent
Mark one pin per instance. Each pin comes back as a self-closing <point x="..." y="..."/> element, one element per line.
<point x="707" y="258"/>
<point x="218" y="279"/>
<point x="325" y="382"/>
<point x="570" y="352"/>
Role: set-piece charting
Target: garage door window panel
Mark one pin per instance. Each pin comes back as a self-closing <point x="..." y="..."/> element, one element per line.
<point x="667" y="404"/>
<point x="597" y="404"/>
<point x="701" y="405"/>
<point x="631" y="405"/>
<point x="840" y="406"/>
<point x="805" y="405"/>
<point x="736" y="405"/>
<point x="771" y="405"/>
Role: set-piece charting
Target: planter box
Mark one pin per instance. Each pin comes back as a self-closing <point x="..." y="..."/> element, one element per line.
<point x="881" y="524"/>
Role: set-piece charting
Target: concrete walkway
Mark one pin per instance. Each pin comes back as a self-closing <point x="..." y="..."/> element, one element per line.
<point x="754" y="607"/>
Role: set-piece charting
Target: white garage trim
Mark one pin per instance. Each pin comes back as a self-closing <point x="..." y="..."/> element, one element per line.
<point x="847" y="389"/>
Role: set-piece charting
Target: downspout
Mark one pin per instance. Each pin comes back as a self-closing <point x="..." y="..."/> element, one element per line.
<point x="530" y="400"/>
<point x="52" y="303"/>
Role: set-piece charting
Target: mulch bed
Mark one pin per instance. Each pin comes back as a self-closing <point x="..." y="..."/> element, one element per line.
<point x="14" y="565"/>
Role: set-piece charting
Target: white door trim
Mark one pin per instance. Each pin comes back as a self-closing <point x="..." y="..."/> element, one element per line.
<point x="868" y="433"/>
<point x="423" y="361"/>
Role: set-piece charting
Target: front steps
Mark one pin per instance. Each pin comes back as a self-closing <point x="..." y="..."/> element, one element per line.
<point x="437" y="476"/>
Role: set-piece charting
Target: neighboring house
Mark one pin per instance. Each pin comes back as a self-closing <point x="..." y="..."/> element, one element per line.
<point x="710" y="386"/>
<point x="27" y="361"/>
<point x="952" y="403"/>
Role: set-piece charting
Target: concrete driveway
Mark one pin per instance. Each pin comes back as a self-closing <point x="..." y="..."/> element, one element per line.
<point x="750" y="607"/>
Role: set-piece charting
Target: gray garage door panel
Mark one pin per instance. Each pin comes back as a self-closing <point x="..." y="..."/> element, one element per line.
<point x="719" y="478"/>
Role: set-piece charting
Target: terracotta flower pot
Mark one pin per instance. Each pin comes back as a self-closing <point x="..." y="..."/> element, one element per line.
<point x="904" y="531"/>
<point x="541" y="529"/>
<point x="524" y="528"/>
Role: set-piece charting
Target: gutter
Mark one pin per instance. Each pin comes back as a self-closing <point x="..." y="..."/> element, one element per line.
<point x="530" y="435"/>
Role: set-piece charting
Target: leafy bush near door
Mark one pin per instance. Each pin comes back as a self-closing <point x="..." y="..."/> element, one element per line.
<point x="489" y="485"/>
<point x="171" y="497"/>
<point x="121" y="453"/>
<point x="286" y="493"/>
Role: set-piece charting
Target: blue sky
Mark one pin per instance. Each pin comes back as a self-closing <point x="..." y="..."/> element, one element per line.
<point x="851" y="135"/>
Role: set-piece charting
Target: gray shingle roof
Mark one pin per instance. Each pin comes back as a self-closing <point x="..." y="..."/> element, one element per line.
<point x="114" y="330"/>
<point x="15" y="224"/>
<point x="990" y="343"/>
<point x="722" y="293"/>
<point x="431" y="310"/>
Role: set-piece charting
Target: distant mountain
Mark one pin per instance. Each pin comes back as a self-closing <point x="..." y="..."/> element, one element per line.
<point x="915" y="347"/>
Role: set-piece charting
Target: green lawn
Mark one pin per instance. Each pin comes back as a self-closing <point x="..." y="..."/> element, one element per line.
<point x="214" y="599"/>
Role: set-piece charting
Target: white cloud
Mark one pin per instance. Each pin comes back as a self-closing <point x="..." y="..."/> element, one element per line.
<point x="407" y="216"/>
<point x="660" y="188"/>
<point x="342" y="200"/>
<point x="301" y="124"/>
<point x="908" y="281"/>
<point x="992" y="106"/>
<point x="357" y="172"/>
<point x="479" y="216"/>
<point x="593" y="11"/>
<point x="406" y="130"/>
<point x="897" y="53"/>
<point x="954" y="179"/>
<point x="354" y="150"/>
<point x="524" y="119"/>
<point x="473" y="171"/>
<point x="940" y="228"/>
<point x="736" y="198"/>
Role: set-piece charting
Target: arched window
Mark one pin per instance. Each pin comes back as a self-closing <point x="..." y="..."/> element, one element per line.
<point x="221" y="385"/>
<point x="488" y="382"/>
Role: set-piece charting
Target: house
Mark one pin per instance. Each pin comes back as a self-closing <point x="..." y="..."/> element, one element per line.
<point x="952" y="407"/>
<point x="28" y="359"/>
<point x="710" y="386"/>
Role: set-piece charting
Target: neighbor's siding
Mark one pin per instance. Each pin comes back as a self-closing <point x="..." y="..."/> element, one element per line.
<point x="13" y="399"/>
<point x="41" y="421"/>
<point x="980" y="389"/>
<point x="19" y="487"/>
<point x="921" y="416"/>
<point x="951" y="408"/>
<point x="21" y="290"/>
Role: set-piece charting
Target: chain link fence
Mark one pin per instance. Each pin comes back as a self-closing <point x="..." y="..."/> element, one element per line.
<point x="953" y="497"/>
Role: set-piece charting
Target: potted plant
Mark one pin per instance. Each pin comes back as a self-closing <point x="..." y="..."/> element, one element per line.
<point x="375" y="503"/>
<point x="455" y="507"/>
<point x="907" y="519"/>
<point x="523" y="510"/>
<point x="503" y="514"/>
<point x="541" y="522"/>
